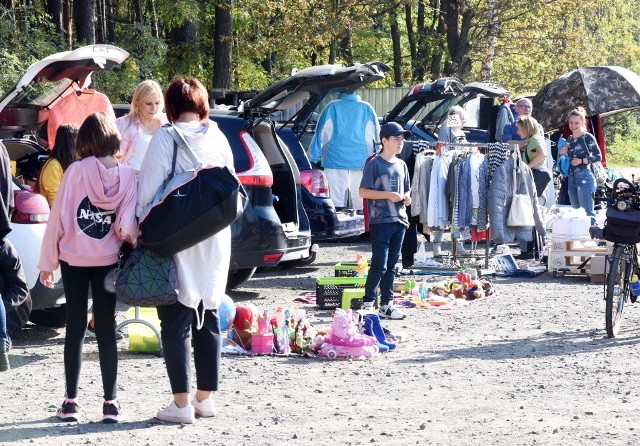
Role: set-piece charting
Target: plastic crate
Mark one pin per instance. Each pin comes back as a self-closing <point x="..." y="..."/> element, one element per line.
<point x="346" y="269"/>
<point x="329" y="289"/>
<point x="352" y="298"/>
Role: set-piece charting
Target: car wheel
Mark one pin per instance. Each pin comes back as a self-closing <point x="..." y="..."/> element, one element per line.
<point x="239" y="276"/>
<point x="301" y="262"/>
<point x="49" y="317"/>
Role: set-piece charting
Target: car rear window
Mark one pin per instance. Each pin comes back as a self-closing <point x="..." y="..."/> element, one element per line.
<point x="231" y="128"/>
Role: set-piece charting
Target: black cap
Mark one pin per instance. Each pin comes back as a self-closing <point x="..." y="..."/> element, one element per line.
<point x="393" y="129"/>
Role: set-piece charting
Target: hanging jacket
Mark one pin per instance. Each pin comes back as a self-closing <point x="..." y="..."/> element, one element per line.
<point x="500" y="196"/>
<point x="345" y="133"/>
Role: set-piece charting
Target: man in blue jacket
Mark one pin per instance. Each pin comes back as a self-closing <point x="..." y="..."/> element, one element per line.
<point x="345" y="136"/>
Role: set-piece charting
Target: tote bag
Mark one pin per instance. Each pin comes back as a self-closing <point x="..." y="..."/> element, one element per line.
<point x="193" y="205"/>
<point x="147" y="279"/>
<point x="521" y="211"/>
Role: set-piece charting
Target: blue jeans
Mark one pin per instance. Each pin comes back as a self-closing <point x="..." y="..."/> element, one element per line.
<point x="581" y="188"/>
<point x="4" y="338"/>
<point x="386" y="241"/>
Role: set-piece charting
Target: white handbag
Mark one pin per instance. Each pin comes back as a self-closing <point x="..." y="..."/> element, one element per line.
<point x="521" y="211"/>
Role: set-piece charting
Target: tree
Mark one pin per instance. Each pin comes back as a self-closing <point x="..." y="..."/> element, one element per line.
<point x="84" y="12"/>
<point x="223" y="45"/>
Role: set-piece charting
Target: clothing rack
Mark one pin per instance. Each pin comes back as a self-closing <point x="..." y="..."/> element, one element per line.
<point x="467" y="147"/>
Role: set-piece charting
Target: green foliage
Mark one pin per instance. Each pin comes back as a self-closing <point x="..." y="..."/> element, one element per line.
<point x="623" y="139"/>
<point x="26" y="36"/>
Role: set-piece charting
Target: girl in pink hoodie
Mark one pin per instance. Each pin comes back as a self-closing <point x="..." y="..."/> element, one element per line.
<point x="92" y="215"/>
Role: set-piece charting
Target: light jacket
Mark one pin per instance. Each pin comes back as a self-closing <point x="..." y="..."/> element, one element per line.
<point x="204" y="267"/>
<point x="500" y="196"/>
<point x="92" y="214"/>
<point x="130" y="128"/>
<point x="345" y="134"/>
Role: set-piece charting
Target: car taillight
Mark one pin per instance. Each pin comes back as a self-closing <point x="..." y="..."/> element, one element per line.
<point x="272" y="258"/>
<point x="259" y="174"/>
<point x="315" y="182"/>
<point x="29" y="208"/>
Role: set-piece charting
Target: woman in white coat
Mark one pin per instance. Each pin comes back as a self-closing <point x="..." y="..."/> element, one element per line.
<point x="202" y="269"/>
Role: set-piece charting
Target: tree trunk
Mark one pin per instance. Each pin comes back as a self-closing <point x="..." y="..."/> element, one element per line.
<point x="411" y="38"/>
<point x="137" y="11"/>
<point x="84" y="12"/>
<point x="111" y="21"/>
<point x="54" y="8"/>
<point x="397" y="51"/>
<point x="421" y="52"/>
<point x="67" y="19"/>
<point x="223" y="45"/>
<point x="458" y="24"/>
<point x="101" y="23"/>
<point x="154" y="18"/>
<point x="493" y="18"/>
<point x="346" y="47"/>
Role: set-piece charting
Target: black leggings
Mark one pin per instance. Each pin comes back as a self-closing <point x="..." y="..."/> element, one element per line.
<point x="76" y="280"/>
<point x="179" y="324"/>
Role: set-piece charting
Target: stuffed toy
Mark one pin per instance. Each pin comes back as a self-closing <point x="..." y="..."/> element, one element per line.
<point x="242" y="329"/>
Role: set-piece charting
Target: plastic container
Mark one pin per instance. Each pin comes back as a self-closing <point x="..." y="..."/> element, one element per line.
<point x="634" y="284"/>
<point x="329" y="289"/>
<point x="262" y="344"/>
<point x="142" y="338"/>
<point x="352" y="298"/>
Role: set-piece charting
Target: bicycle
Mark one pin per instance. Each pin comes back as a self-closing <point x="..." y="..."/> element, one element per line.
<point x="622" y="227"/>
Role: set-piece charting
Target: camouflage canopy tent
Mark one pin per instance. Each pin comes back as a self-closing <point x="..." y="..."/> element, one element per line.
<point x="600" y="90"/>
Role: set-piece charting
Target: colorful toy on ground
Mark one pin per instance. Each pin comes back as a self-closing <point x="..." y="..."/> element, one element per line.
<point x="226" y="313"/>
<point x="345" y="341"/>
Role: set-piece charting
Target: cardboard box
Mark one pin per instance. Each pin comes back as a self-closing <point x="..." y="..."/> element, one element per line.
<point x="598" y="268"/>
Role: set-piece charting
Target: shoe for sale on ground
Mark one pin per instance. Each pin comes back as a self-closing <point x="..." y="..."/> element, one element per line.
<point x="175" y="414"/>
<point x="68" y="411"/>
<point x="204" y="408"/>
<point x="390" y="312"/>
<point x="112" y="412"/>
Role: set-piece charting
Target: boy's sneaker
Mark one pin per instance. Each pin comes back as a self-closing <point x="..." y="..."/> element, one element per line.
<point x="204" y="408"/>
<point x="175" y="414"/>
<point x="390" y="312"/>
<point x="112" y="412"/>
<point x="69" y="411"/>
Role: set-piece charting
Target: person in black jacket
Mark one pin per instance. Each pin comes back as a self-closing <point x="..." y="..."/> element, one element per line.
<point x="16" y="304"/>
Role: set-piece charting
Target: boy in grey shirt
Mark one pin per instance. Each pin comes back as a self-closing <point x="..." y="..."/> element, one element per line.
<point x="385" y="184"/>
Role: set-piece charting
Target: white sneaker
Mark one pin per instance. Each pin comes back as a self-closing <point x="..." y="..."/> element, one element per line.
<point x="437" y="249"/>
<point x="204" y="408"/>
<point x="390" y="312"/>
<point x="460" y="248"/>
<point x="175" y="414"/>
<point x="367" y="307"/>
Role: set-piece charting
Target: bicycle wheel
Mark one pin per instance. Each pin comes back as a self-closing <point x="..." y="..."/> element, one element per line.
<point x="617" y="289"/>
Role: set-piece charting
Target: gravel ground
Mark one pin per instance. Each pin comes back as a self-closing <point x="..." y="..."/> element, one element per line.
<point x="531" y="365"/>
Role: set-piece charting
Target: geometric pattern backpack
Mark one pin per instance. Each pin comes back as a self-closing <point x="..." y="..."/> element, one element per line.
<point x="147" y="279"/>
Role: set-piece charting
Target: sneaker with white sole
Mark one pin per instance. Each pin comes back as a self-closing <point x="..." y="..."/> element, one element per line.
<point x="68" y="411"/>
<point x="390" y="312"/>
<point x="204" y="408"/>
<point x="367" y="307"/>
<point x="112" y="412"/>
<point x="175" y="414"/>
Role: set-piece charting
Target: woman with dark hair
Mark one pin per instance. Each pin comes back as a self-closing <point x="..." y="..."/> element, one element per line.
<point x="62" y="155"/>
<point x="92" y="215"/>
<point x="203" y="268"/>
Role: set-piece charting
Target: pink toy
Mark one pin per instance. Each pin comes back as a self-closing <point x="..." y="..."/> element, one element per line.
<point x="344" y="331"/>
<point x="341" y="351"/>
<point x="345" y="341"/>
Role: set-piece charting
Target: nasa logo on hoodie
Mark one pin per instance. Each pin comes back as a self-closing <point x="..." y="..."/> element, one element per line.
<point x="93" y="221"/>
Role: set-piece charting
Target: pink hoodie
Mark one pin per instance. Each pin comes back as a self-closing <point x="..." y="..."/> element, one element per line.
<point x="92" y="214"/>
